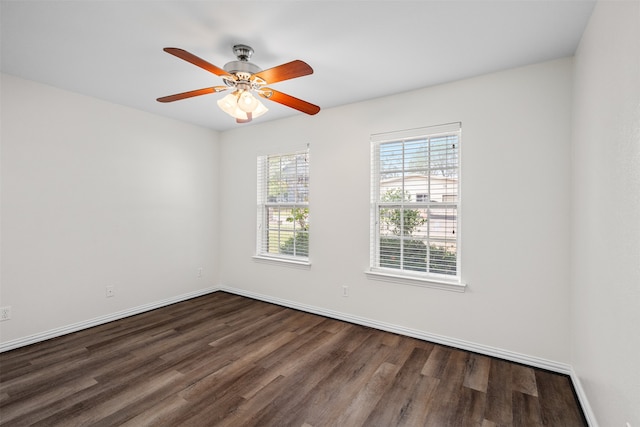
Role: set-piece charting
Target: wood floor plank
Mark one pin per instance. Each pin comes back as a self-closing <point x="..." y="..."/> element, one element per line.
<point x="405" y="347"/>
<point x="526" y="410"/>
<point x="227" y="360"/>
<point x="59" y="411"/>
<point x="316" y="335"/>
<point x="260" y="345"/>
<point x="396" y="405"/>
<point x="470" y="408"/>
<point x="69" y="370"/>
<point x="310" y="353"/>
<point x="112" y="410"/>
<point x="301" y="323"/>
<point x="302" y="375"/>
<point x="36" y="376"/>
<point x="246" y="413"/>
<point x="557" y="406"/>
<point x="368" y="396"/>
<point x="294" y="387"/>
<point x="13" y="410"/>
<point x="476" y="374"/>
<point x="444" y="409"/>
<point x="159" y="414"/>
<point x="437" y="362"/>
<point x="349" y="377"/>
<point x="499" y="404"/>
<point x="523" y="379"/>
<point x="417" y="409"/>
<point x="232" y="374"/>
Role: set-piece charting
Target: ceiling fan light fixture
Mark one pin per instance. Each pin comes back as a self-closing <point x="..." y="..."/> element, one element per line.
<point x="239" y="103"/>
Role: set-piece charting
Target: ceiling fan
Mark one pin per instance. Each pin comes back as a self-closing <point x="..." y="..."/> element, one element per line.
<point x="245" y="77"/>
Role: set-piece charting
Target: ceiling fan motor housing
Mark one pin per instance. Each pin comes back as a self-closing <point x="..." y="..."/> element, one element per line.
<point x="242" y="65"/>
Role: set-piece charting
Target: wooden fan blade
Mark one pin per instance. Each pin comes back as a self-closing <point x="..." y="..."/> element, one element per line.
<point x="192" y="93"/>
<point x="289" y="101"/>
<point x="287" y="71"/>
<point x="189" y="57"/>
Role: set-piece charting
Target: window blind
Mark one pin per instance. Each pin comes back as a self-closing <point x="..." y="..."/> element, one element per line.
<point x="415" y="199"/>
<point x="283" y="205"/>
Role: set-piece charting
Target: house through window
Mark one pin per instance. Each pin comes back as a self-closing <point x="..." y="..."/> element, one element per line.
<point x="415" y="202"/>
<point x="283" y="206"/>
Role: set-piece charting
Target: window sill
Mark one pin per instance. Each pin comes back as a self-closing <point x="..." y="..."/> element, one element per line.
<point x="447" y="285"/>
<point x="286" y="262"/>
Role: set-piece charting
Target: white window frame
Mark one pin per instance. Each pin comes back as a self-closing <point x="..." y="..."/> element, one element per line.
<point x="264" y="204"/>
<point x="401" y="275"/>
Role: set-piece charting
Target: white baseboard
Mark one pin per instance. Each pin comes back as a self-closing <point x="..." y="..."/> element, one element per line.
<point x="53" y="333"/>
<point x="537" y="362"/>
<point x="582" y="398"/>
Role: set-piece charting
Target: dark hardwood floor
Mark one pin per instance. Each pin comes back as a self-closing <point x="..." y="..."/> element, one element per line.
<point x="226" y="360"/>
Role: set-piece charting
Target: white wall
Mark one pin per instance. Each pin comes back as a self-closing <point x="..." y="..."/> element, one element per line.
<point x="95" y="194"/>
<point x="516" y="207"/>
<point x="606" y="213"/>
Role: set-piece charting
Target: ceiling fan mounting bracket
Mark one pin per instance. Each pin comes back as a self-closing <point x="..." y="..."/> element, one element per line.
<point x="242" y="52"/>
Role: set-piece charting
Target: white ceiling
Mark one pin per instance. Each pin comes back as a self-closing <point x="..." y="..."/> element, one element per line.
<point x="358" y="49"/>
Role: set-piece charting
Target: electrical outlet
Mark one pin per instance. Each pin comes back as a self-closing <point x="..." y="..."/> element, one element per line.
<point x="5" y="313"/>
<point x="199" y="273"/>
<point x="345" y="291"/>
<point x="110" y="291"/>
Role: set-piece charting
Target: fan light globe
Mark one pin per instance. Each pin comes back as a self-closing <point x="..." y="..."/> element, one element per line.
<point x="229" y="103"/>
<point x="247" y="102"/>
<point x="260" y="109"/>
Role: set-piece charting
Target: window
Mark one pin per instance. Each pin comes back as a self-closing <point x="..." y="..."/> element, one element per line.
<point x="283" y="206"/>
<point x="415" y="202"/>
